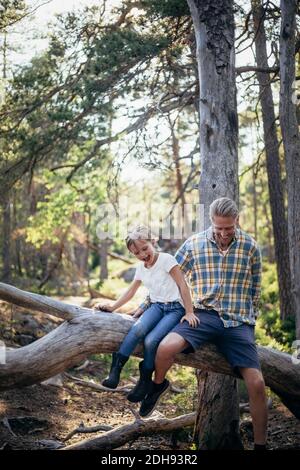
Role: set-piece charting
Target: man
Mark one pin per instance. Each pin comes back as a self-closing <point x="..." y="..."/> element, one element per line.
<point x="223" y="265"/>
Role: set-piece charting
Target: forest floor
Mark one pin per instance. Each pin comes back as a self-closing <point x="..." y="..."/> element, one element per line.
<point x="32" y="416"/>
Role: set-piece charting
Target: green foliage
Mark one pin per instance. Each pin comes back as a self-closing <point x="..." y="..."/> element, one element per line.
<point x="131" y="367"/>
<point x="53" y="217"/>
<point x="11" y="12"/>
<point x="122" y="45"/>
<point x="64" y="96"/>
<point x="185" y="380"/>
<point x="271" y="330"/>
<point x="167" y="8"/>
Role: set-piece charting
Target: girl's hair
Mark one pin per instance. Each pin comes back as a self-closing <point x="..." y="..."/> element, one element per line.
<point x="140" y="232"/>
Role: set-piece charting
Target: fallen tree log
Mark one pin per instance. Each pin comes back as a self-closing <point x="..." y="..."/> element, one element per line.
<point x="88" y="332"/>
<point x="129" y="432"/>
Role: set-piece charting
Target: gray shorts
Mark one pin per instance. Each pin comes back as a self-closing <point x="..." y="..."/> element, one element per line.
<point x="236" y="343"/>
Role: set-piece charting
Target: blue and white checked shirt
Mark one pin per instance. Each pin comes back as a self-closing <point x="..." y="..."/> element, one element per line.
<point x="229" y="283"/>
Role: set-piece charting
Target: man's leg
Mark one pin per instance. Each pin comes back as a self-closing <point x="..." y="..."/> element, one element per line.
<point x="171" y="345"/>
<point x="258" y="404"/>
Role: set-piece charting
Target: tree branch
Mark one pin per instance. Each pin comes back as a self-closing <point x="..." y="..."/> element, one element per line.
<point x="129" y="432"/>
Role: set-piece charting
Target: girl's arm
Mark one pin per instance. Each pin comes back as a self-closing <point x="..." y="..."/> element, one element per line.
<point x="189" y="316"/>
<point x="122" y="300"/>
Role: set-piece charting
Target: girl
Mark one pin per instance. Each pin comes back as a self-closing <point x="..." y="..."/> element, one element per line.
<point x="168" y="292"/>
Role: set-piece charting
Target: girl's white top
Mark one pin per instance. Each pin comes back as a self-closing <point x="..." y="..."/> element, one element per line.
<point x="157" y="278"/>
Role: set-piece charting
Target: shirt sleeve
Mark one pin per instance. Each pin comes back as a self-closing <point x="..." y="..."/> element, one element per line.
<point x="184" y="259"/>
<point x="256" y="269"/>
<point x="137" y="276"/>
<point x="169" y="262"/>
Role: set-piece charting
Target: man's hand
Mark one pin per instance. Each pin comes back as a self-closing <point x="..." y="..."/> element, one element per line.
<point x="191" y="318"/>
<point x="137" y="313"/>
<point x="104" y="307"/>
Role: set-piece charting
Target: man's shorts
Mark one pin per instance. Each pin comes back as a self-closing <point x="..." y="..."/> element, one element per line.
<point x="236" y="343"/>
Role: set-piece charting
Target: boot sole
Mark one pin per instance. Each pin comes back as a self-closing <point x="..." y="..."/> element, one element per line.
<point x="107" y="386"/>
<point x="135" y="400"/>
<point x="156" y="404"/>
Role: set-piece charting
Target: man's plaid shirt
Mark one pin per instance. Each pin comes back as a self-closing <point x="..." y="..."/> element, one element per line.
<point x="228" y="283"/>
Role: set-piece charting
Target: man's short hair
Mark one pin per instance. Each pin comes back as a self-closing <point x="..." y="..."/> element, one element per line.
<point x="223" y="207"/>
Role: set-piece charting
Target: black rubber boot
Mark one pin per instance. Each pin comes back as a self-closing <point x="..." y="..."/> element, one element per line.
<point x="118" y="361"/>
<point x="151" y="400"/>
<point x="142" y="387"/>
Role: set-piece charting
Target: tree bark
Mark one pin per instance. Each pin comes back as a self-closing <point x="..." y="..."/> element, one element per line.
<point x="254" y="203"/>
<point x="17" y="241"/>
<point x="213" y="414"/>
<point x="86" y="332"/>
<point x="6" y="224"/>
<point x="5" y="198"/>
<point x="80" y="245"/>
<point x="291" y="143"/>
<point x="176" y="155"/>
<point x="214" y="31"/>
<point x="279" y="222"/>
<point x="103" y="252"/>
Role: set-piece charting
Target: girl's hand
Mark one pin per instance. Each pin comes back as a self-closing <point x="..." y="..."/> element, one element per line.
<point x="191" y="318"/>
<point x="104" y="307"/>
<point x="137" y="313"/>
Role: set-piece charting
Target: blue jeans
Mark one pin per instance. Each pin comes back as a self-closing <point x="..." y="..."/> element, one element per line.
<point x="155" y="323"/>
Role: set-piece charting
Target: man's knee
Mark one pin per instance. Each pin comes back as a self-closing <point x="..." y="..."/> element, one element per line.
<point x="255" y="383"/>
<point x="164" y="350"/>
<point x="171" y="345"/>
<point x="258" y="386"/>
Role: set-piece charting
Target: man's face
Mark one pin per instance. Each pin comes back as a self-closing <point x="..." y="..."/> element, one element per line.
<point x="224" y="229"/>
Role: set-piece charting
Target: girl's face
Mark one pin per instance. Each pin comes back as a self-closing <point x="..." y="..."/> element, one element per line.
<point x="144" y="251"/>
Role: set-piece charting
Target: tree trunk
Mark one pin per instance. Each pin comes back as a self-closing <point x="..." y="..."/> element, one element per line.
<point x="279" y="222"/>
<point x="17" y="244"/>
<point x="103" y="251"/>
<point x="80" y="245"/>
<point x="86" y="332"/>
<point x="213" y="414"/>
<point x="5" y="199"/>
<point x="254" y="203"/>
<point x="291" y="143"/>
<point x="6" y="224"/>
<point x="266" y="207"/>
<point x="214" y="32"/>
<point x="175" y="154"/>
